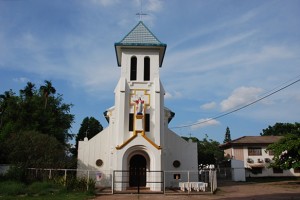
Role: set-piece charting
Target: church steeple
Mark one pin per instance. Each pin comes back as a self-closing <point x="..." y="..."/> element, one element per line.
<point x="140" y="36"/>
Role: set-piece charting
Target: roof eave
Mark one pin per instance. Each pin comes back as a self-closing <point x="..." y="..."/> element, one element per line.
<point x="118" y="46"/>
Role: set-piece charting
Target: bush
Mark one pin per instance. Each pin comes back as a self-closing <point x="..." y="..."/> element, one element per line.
<point x="43" y="188"/>
<point x="12" y="188"/>
<point x="15" y="174"/>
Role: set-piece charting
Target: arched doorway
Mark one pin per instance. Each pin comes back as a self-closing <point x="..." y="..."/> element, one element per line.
<point x="137" y="171"/>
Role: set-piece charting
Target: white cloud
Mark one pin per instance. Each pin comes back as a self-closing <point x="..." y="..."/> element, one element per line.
<point x="105" y="3"/>
<point x="240" y="96"/>
<point x="205" y="122"/>
<point x="173" y="95"/>
<point x="21" y="80"/>
<point x="154" y="5"/>
<point x="208" y="106"/>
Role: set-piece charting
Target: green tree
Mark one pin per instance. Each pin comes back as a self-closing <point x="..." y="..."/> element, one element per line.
<point x="47" y="90"/>
<point x="208" y="150"/>
<point x="88" y="128"/>
<point x="33" y="149"/>
<point x="27" y="112"/>
<point x="282" y="129"/>
<point x="286" y="152"/>
<point x="227" y="135"/>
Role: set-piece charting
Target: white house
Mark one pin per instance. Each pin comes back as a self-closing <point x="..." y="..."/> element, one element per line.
<point x="137" y="139"/>
<point x="252" y="151"/>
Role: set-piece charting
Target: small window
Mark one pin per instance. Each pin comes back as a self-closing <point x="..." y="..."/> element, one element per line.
<point x="99" y="162"/>
<point x="297" y="170"/>
<point x="256" y="170"/>
<point x="176" y="176"/>
<point x="146" y="69"/>
<point x="133" y="68"/>
<point x="131" y="121"/>
<point x="147" y="122"/>
<point x="254" y="151"/>
<point x="277" y="171"/>
<point x="271" y="153"/>
<point x="176" y="163"/>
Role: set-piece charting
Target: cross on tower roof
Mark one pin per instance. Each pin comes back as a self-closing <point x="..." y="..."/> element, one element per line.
<point x="141" y="14"/>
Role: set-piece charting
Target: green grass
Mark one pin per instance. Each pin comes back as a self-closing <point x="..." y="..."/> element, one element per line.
<point x="61" y="196"/>
<point x="39" y="190"/>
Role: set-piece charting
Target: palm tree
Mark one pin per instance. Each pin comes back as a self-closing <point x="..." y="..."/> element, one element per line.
<point x="28" y="90"/>
<point x="47" y="90"/>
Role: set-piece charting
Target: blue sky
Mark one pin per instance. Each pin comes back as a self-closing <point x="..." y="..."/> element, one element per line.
<point x="221" y="54"/>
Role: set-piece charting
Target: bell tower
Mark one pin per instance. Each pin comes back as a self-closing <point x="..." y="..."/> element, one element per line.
<point x="139" y="94"/>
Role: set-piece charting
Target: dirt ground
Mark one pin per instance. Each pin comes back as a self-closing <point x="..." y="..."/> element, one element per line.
<point x="282" y="190"/>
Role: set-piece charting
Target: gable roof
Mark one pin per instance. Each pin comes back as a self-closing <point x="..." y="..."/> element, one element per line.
<point x="140" y="36"/>
<point x="251" y="140"/>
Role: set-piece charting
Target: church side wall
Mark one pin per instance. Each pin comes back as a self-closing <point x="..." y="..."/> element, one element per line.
<point x="98" y="147"/>
<point x="176" y="148"/>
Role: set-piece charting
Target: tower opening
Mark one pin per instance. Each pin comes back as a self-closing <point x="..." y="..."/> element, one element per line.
<point x="133" y="68"/>
<point x="147" y="69"/>
<point x="137" y="171"/>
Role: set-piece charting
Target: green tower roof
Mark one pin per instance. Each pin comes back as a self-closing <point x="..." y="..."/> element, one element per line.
<point x="140" y="36"/>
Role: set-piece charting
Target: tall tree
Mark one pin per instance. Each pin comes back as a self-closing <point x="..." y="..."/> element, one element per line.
<point x="26" y="112"/>
<point x="28" y="91"/>
<point x="89" y="128"/>
<point x="227" y="135"/>
<point x="47" y="90"/>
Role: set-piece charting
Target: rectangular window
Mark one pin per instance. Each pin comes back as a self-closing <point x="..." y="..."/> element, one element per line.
<point x="297" y="170"/>
<point x="176" y="176"/>
<point x="254" y="151"/>
<point x="133" y="68"/>
<point x="256" y="170"/>
<point x="147" y="122"/>
<point x="271" y="153"/>
<point x="146" y="69"/>
<point x="277" y="171"/>
<point x="131" y="121"/>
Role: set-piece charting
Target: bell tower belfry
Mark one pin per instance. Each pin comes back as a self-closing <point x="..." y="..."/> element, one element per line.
<point x="137" y="139"/>
<point x="139" y="94"/>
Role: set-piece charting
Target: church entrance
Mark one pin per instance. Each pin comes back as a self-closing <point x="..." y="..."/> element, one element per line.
<point x="137" y="171"/>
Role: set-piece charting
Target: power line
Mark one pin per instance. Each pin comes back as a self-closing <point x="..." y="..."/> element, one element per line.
<point x="240" y="108"/>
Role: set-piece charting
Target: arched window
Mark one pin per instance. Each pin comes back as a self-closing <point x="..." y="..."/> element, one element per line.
<point x="146" y="69"/>
<point x="133" y="68"/>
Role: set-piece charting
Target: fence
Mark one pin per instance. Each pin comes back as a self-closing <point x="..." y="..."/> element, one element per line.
<point x="139" y="181"/>
<point x="112" y="182"/>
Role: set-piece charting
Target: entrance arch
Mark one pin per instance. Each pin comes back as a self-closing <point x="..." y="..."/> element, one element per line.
<point x="137" y="171"/>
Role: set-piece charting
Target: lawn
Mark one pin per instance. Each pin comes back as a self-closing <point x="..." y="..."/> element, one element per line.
<point x="39" y="190"/>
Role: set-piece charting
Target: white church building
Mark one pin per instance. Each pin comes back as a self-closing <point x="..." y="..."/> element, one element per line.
<point x="137" y="142"/>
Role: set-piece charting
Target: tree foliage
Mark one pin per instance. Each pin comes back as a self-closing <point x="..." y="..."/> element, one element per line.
<point x="286" y="152"/>
<point x="208" y="150"/>
<point x="88" y="128"/>
<point x="34" y="110"/>
<point x="227" y="135"/>
<point x="282" y="129"/>
<point x="33" y="149"/>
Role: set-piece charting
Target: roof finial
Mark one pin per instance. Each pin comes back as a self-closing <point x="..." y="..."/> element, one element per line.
<point x="140" y="14"/>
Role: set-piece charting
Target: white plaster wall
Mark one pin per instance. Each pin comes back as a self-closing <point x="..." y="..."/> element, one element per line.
<point x="176" y="148"/>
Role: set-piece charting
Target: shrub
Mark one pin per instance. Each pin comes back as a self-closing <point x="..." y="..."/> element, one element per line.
<point x="43" y="188"/>
<point x="12" y="188"/>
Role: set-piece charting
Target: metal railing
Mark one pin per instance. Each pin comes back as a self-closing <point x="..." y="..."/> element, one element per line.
<point x="118" y="181"/>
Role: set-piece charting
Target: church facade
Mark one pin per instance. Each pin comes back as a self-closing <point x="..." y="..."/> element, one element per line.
<point x="137" y="138"/>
